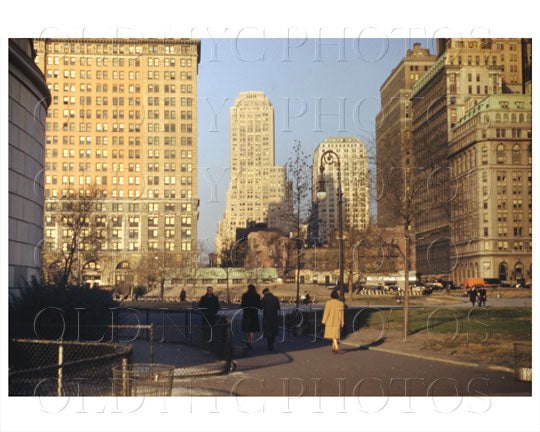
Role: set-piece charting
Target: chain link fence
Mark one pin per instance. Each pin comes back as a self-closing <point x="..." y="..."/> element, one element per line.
<point x="64" y="368"/>
<point x="150" y="334"/>
<point x="42" y="362"/>
<point x="215" y="339"/>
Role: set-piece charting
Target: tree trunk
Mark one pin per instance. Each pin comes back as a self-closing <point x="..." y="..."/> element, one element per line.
<point x="228" y="290"/>
<point x="406" y="286"/>
<point x="297" y="278"/>
<point x="162" y="289"/>
<point x="350" y="286"/>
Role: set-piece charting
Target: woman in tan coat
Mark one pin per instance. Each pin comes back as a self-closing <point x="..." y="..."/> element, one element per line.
<point x="333" y="319"/>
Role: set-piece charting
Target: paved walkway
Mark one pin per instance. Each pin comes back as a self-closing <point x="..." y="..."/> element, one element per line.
<point x="301" y="365"/>
<point x="304" y="365"/>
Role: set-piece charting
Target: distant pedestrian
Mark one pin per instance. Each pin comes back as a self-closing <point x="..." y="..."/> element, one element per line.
<point x="183" y="295"/>
<point x="209" y="306"/>
<point x="472" y="295"/>
<point x="482" y="293"/>
<point x="333" y="319"/>
<point x="307" y="298"/>
<point x="251" y="303"/>
<point x="270" y="306"/>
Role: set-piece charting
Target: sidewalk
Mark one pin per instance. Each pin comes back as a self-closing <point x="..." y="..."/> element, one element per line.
<point x="494" y="353"/>
<point x="188" y="360"/>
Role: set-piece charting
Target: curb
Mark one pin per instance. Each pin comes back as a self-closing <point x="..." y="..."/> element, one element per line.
<point x="424" y="357"/>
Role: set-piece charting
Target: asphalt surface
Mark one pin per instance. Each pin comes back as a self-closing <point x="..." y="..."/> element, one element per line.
<point x="300" y="365"/>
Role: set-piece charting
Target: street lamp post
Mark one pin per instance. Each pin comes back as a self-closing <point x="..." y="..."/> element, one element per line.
<point x="329" y="157"/>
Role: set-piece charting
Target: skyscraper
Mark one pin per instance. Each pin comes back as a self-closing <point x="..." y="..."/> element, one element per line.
<point x="354" y="184"/>
<point x="491" y="211"/>
<point x="465" y="72"/>
<point x="394" y="130"/>
<point x="123" y="122"/>
<point x="259" y="191"/>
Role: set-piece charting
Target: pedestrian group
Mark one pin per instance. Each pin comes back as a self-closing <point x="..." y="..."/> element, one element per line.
<point x="333" y="317"/>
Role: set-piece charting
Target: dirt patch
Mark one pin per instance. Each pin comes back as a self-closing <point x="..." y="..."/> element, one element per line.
<point x="493" y="350"/>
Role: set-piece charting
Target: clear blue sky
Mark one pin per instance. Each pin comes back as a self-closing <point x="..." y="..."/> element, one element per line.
<point x="299" y="76"/>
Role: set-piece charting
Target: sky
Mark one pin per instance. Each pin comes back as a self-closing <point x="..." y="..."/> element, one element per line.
<point x="301" y="78"/>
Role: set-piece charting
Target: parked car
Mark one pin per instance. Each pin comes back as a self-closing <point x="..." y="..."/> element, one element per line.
<point x="427" y="290"/>
<point x="336" y="286"/>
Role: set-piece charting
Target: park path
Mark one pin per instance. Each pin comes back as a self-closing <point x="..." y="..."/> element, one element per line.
<point x="304" y="365"/>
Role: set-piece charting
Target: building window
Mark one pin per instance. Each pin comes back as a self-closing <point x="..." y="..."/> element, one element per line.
<point x="516" y="154"/>
<point x="484" y="155"/>
<point x="500" y="154"/>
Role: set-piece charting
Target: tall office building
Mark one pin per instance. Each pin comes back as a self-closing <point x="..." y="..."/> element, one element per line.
<point x="354" y="185"/>
<point x="259" y="191"/>
<point x="123" y="122"/>
<point x="491" y="211"/>
<point x="394" y="130"/>
<point x="507" y="54"/>
<point x="465" y="72"/>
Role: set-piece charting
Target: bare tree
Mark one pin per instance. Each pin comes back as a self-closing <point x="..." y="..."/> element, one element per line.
<point x="158" y="266"/>
<point x="299" y="173"/>
<point x="402" y="187"/>
<point x="226" y="259"/>
<point x="233" y="254"/>
<point x="78" y="234"/>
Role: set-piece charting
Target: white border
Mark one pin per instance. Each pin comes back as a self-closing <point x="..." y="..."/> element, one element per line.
<point x="168" y="19"/>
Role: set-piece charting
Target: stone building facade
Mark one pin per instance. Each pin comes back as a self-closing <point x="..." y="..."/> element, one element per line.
<point x="29" y="99"/>
<point x="354" y="183"/>
<point x="259" y="191"/>
<point x="394" y="130"/>
<point x="490" y="156"/>
<point x="123" y="123"/>
<point x="465" y="72"/>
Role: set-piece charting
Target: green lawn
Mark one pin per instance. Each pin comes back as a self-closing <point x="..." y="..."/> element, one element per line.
<point x="516" y="321"/>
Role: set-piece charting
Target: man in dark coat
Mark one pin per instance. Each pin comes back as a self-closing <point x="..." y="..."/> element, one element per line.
<point x="209" y="306"/>
<point x="270" y="306"/>
<point x="472" y="295"/>
<point x="482" y="297"/>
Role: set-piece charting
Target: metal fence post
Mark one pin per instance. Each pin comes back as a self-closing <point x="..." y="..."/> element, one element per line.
<point x="228" y="348"/>
<point x="60" y="369"/>
<point x="152" y="343"/>
<point x="124" y="376"/>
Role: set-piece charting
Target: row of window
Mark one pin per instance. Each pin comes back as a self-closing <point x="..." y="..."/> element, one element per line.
<point x="132" y="114"/>
<point x="115" y="193"/>
<point x="99" y="140"/>
<point x="119" y="75"/>
<point x="121" y="101"/>
<point x="132" y="246"/>
<point x="117" y="140"/>
<point x="115" y="48"/>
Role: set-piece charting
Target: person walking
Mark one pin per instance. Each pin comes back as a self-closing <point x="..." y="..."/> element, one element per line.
<point x="183" y="295"/>
<point x="333" y="319"/>
<point x="270" y="306"/>
<point x="472" y="295"/>
<point x="482" y="293"/>
<point x="209" y="305"/>
<point x="251" y="303"/>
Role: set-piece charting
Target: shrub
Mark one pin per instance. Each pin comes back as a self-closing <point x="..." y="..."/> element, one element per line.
<point x="139" y="291"/>
<point x="52" y="311"/>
